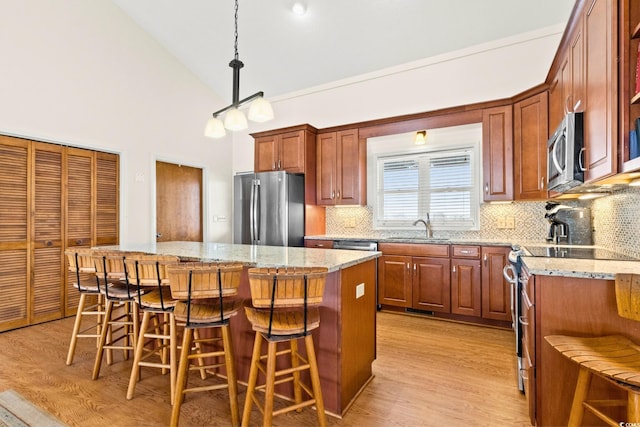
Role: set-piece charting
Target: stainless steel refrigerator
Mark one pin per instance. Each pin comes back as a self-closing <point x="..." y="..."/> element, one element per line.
<point x="269" y="209"/>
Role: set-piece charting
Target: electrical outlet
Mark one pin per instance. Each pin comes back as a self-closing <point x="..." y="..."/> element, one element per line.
<point x="501" y="222"/>
<point x="359" y="290"/>
<point x="510" y="222"/>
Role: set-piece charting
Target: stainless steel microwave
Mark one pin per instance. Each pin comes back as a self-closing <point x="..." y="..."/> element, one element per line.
<point x="565" y="157"/>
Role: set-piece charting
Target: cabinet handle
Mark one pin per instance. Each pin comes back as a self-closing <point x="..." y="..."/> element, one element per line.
<point x="486" y="188"/>
<point x="542" y="183"/>
<point x="274" y="166"/>
<point x="414" y="267"/>
<point x="453" y="269"/>
<point x="465" y="251"/>
<point x="338" y="194"/>
<point x="279" y="164"/>
<point x="485" y="259"/>
<point x="319" y="245"/>
<point x="333" y="195"/>
<point x="408" y="266"/>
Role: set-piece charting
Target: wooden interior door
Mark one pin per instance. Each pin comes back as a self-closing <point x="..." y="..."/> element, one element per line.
<point x="178" y="203"/>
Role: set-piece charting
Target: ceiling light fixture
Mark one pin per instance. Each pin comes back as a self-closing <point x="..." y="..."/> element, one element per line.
<point x="420" y="138"/>
<point x="259" y="111"/>
<point x="299" y="7"/>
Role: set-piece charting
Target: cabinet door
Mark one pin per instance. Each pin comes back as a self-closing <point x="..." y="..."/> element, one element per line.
<point x="601" y="83"/>
<point x="465" y="287"/>
<point x="320" y="244"/>
<point x="530" y="147"/>
<point x="47" y="293"/>
<point x="496" y="291"/>
<point x="107" y="198"/>
<point x="351" y="160"/>
<point x="326" y="169"/>
<point x="497" y="153"/>
<point x="556" y="103"/>
<point x="266" y="153"/>
<point x="292" y="152"/>
<point x="14" y="238"/>
<point x="394" y="280"/>
<point x="432" y="284"/>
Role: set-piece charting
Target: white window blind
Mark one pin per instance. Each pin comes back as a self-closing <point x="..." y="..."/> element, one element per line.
<point x="441" y="183"/>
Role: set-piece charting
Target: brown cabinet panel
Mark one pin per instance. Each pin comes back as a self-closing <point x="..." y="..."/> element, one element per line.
<point x="465" y="287"/>
<point x="530" y="136"/>
<point x="107" y="198"/>
<point x="266" y="153"/>
<point x="283" y="150"/>
<point x="79" y="184"/>
<point x="292" y="152"/>
<point x="460" y="251"/>
<point x="496" y="291"/>
<point x="497" y="153"/>
<point x="14" y="157"/>
<point x="432" y="284"/>
<point x="424" y="250"/>
<point x="601" y="85"/>
<point x="394" y="280"/>
<point x="341" y="174"/>
<point x="14" y="288"/>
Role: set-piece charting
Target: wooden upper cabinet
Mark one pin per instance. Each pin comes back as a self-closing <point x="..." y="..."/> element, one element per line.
<point x="601" y="89"/>
<point x="341" y="168"/>
<point x="288" y="149"/>
<point x="530" y="147"/>
<point x="497" y="153"/>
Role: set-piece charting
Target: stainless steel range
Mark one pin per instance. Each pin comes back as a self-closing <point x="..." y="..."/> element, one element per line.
<point x="512" y="273"/>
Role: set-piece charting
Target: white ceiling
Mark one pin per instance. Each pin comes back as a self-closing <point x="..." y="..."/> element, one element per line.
<point x="336" y="39"/>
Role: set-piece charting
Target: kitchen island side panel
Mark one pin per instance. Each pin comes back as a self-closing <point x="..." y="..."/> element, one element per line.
<point x="580" y="307"/>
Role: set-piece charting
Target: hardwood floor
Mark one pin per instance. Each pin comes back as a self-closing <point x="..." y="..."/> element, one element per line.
<point x="428" y="373"/>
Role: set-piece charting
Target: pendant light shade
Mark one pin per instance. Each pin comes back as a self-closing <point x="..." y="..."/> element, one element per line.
<point x="420" y="138"/>
<point x="260" y="110"/>
<point x="235" y="120"/>
<point x="214" y="128"/>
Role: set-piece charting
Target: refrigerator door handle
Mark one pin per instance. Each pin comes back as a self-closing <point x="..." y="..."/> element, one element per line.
<point x="252" y="213"/>
<point x="255" y="210"/>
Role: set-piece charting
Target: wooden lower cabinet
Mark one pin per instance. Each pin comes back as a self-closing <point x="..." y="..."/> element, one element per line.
<point x="321" y="244"/>
<point x="496" y="291"/>
<point x="431" y="284"/>
<point x="465" y="287"/>
<point x="51" y="197"/>
<point x="395" y="280"/>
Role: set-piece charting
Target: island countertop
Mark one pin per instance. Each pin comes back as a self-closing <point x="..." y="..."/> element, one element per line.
<point x="254" y="255"/>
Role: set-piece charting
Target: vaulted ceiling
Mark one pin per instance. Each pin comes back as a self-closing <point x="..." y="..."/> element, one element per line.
<point x="335" y="39"/>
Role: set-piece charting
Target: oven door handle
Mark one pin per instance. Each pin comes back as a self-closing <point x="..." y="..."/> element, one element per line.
<point x="511" y="278"/>
<point x="509" y="273"/>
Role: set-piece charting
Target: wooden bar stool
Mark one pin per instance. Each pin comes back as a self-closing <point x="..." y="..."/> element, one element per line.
<point x="613" y="357"/>
<point x="284" y="309"/>
<point x="119" y="328"/>
<point x="207" y="294"/>
<point x="91" y="303"/>
<point x="156" y="346"/>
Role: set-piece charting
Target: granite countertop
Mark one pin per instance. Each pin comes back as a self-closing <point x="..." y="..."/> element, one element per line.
<point x="410" y="239"/>
<point x="254" y="256"/>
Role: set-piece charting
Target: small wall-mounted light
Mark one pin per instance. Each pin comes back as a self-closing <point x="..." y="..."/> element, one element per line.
<point x="420" y="138"/>
<point x="299" y="7"/>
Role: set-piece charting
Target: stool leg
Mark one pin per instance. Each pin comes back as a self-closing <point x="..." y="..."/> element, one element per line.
<point x="103" y="338"/>
<point x="173" y="355"/>
<point x="270" y="388"/>
<point x="198" y="349"/>
<point x="135" y="369"/>
<point x="295" y="362"/>
<point x="580" y="395"/>
<point x="315" y="380"/>
<point x="231" y="374"/>
<point x="633" y="407"/>
<point x="181" y="380"/>
<point x="251" y="382"/>
<point x="76" y="329"/>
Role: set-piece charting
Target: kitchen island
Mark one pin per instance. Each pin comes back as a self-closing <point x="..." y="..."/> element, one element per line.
<point x="346" y="340"/>
<point x="567" y="296"/>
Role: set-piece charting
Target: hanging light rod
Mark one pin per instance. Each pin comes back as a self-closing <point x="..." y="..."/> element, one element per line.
<point x="259" y="111"/>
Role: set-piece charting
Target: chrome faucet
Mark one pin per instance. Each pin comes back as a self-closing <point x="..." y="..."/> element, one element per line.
<point x="427" y="225"/>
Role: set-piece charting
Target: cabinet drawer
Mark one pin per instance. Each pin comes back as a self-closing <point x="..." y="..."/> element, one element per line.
<point x="412" y="249"/>
<point x="316" y="243"/>
<point x="459" y="251"/>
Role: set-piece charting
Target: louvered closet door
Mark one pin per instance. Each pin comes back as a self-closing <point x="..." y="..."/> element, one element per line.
<point x="107" y="196"/>
<point x="78" y="212"/>
<point x="14" y="233"/>
<point x="47" y="292"/>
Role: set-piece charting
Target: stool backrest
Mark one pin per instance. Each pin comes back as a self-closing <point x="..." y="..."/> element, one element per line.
<point x="80" y="260"/>
<point x="197" y="280"/>
<point x="628" y="295"/>
<point x="287" y="287"/>
<point x="149" y="270"/>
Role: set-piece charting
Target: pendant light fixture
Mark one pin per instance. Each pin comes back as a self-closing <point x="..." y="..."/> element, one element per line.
<point x="259" y="111"/>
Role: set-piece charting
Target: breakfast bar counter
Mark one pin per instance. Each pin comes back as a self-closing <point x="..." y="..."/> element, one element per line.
<point x="346" y="340"/>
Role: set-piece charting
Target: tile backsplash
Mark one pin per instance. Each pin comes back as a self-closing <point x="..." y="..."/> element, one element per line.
<point x="615" y="220"/>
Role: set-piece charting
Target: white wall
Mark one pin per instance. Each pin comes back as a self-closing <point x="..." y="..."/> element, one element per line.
<point x="494" y="70"/>
<point x="81" y="73"/>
